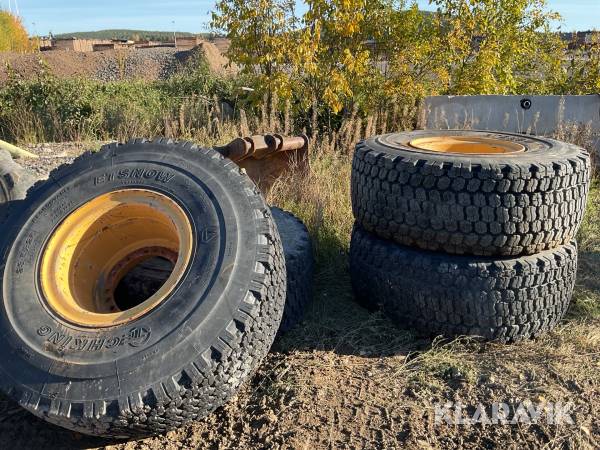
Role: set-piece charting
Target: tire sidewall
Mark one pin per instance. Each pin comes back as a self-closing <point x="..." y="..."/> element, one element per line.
<point x="537" y="149"/>
<point x="133" y="355"/>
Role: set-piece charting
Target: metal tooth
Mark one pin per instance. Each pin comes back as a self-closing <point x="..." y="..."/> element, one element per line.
<point x="261" y="146"/>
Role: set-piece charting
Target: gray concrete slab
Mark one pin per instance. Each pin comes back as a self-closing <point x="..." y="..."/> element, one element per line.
<point x="535" y="114"/>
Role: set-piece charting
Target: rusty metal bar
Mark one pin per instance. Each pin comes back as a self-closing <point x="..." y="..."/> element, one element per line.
<point x="261" y="146"/>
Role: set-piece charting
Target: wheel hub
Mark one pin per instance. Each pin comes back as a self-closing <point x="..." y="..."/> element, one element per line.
<point x="100" y="242"/>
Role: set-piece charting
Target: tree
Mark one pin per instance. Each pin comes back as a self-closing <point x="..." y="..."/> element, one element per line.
<point x="338" y="59"/>
<point x="580" y="72"/>
<point x="411" y="45"/>
<point x="364" y="55"/>
<point x="497" y="46"/>
<point x="262" y="41"/>
<point x="13" y="36"/>
<point x="322" y="54"/>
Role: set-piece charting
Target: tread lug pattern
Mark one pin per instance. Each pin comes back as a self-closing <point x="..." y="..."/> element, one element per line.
<point x="509" y="209"/>
<point x="503" y="300"/>
<point x="299" y="262"/>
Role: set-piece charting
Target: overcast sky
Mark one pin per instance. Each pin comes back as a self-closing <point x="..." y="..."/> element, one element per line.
<point x="60" y="16"/>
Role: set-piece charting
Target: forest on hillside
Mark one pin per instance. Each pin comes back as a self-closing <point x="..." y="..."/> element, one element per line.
<point x="161" y="36"/>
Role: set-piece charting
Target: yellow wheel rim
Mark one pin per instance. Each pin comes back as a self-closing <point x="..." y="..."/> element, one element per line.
<point x="95" y="247"/>
<point x="471" y="145"/>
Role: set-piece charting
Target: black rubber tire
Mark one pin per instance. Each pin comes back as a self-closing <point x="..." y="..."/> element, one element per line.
<point x="14" y="179"/>
<point x="182" y="359"/>
<point x="508" y="205"/>
<point x="299" y="262"/>
<point x="504" y="300"/>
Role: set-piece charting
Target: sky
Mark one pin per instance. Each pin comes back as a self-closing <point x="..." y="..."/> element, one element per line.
<point x="61" y="16"/>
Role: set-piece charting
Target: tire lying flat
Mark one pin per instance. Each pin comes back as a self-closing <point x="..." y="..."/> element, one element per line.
<point x="299" y="263"/>
<point x="505" y="299"/>
<point x="505" y="204"/>
<point x="14" y="179"/>
<point x="183" y="358"/>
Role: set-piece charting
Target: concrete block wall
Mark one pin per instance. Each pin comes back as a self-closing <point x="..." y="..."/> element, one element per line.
<point x="546" y="115"/>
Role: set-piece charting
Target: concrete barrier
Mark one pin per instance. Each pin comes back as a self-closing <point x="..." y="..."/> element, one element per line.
<point x="545" y="115"/>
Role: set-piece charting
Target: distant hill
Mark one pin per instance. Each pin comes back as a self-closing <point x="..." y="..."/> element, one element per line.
<point x="162" y="36"/>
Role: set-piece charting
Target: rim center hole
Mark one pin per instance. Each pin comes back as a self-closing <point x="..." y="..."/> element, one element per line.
<point x="142" y="282"/>
<point x="116" y="258"/>
<point x="467" y="145"/>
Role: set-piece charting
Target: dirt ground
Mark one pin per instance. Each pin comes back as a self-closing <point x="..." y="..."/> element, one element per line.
<point x="110" y="65"/>
<point x="348" y="379"/>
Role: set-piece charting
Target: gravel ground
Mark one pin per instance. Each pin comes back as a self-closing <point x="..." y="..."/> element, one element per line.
<point x="54" y="155"/>
<point x="157" y="63"/>
<point x="154" y="63"/>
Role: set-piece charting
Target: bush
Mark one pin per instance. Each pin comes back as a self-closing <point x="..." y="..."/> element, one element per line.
<point x="53" y="109"/>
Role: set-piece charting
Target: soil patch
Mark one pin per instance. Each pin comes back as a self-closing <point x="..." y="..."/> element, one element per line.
<point x="147" y="63"/>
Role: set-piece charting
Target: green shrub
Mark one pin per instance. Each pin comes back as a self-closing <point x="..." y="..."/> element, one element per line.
<point x="53" y="109"/>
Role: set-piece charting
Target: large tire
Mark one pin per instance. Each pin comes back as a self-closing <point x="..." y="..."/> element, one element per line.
<point x="498" y="299"/>
<point x="14" y="179"/>
<point x="492" y="204"/>
<point x="299" y="263"/>
<point x="184" y="357"/>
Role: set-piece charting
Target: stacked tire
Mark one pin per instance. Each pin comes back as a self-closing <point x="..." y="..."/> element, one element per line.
<point x="79" y="354"/>
<point x="467" y="232"/>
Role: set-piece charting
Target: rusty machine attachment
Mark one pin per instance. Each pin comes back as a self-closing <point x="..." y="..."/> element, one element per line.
<point x="267" y="157"/>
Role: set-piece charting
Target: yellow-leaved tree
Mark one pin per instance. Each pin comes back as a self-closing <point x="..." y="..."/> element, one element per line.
<point x="337" y="57"/>
<point x="497" y="46"/>
<point x="410" y="51"/>
<point x="365" y="56"/>
<point x="262" y="34"/>
<point x="13" y="36"/>
<point x="322" y="54"/>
